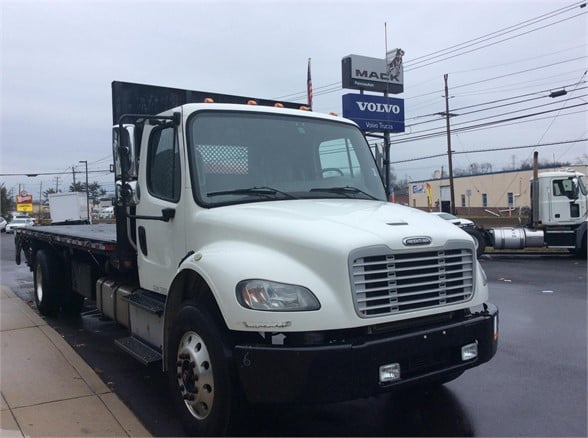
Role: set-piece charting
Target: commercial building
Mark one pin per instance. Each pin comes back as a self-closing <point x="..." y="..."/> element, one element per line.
<point x="496" y="193"/>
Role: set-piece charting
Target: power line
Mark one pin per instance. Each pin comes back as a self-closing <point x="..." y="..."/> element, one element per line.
<point x="436" y="114"/>
<point x="500" y="32"/>
<point x="468" y="128"/>
<point x="33" y="174"/>
<point x="328" y="88"/>
<point x="490" y="150"/>
<point x="495" y="42"/>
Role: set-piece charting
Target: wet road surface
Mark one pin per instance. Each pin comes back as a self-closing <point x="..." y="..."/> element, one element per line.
<point x="536" y="384"/>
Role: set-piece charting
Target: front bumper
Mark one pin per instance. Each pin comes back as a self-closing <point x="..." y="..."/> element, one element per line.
<point x="346" y="371"/>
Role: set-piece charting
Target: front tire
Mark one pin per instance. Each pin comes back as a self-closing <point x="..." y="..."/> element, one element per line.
<point x="47" y="282"/>
<point x="199" y="373"/>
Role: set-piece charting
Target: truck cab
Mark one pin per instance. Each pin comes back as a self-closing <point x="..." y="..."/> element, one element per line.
<point x="562" y="198"/>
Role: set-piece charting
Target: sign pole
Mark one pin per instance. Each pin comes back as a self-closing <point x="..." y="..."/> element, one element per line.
<point x="386" y="133"/>
<point x="387" y="158"/>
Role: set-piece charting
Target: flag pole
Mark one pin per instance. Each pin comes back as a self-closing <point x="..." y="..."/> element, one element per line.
<point x="389" y="190"/>
<point x="309" y="86"/>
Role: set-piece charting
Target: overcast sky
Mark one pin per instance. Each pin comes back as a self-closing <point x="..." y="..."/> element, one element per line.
<point x="58" y="59"/>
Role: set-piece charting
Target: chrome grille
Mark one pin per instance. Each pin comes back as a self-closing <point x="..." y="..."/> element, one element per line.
<point x="387" y="284"/>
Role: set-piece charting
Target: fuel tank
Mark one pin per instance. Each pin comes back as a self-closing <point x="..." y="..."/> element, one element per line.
<point x="516" y="238"/>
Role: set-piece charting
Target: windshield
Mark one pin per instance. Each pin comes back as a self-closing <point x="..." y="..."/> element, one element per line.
<point x="240" y="157"/>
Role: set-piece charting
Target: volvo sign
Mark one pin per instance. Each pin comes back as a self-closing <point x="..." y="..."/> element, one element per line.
<point x="374" y="113"/>
<point x="374" y="74"/>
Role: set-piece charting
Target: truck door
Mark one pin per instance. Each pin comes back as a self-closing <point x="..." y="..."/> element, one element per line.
<point x="564" y="205"/>
<point x="160" y="244"/>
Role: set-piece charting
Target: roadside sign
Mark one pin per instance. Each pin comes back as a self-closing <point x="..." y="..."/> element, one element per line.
<point x="373" y="74"/>
<point x="24" y="202"/>
<point x="374" y="113"/>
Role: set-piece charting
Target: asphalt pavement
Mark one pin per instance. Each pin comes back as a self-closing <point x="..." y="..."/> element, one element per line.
<point x="536" y="385"/>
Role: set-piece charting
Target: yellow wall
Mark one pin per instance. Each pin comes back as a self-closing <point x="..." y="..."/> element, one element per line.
<point x="495" y="185"/>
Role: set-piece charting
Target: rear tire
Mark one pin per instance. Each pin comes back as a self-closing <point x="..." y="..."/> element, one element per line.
<point x="47" y="283"/>
<point x="479" y="241"/>
<point x="581" y="252"/>
<point x="199" y="373"/>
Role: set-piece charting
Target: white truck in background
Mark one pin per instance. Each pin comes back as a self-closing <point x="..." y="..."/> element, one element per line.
<point x="255" y="256"/>
<point x="559" y="216"/>
<point x="70" y="208"/>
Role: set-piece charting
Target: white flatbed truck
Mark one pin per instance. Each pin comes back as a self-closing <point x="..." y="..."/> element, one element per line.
<point x="256" y="256"/>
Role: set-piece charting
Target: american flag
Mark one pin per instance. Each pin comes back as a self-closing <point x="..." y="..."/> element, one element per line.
<point x="309" y="86"/>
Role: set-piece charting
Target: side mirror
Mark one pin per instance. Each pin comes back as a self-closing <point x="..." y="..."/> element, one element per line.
<point x="123" y="152"/>
<point x="127" y="194"/>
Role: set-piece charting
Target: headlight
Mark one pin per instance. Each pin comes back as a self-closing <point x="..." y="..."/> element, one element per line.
<point x="278" y="297"/>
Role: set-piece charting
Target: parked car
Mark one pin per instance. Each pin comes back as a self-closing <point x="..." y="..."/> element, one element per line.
<point x="19" y="222"/>
<point x="459" y="221"/>
<point x="468" y="226"/>
<point x="106" y="213"/>
<point x="2" y="224"/>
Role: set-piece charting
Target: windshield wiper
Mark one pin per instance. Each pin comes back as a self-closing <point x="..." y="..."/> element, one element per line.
<point x="259" y="191"/>
<point x="346" y="191"/>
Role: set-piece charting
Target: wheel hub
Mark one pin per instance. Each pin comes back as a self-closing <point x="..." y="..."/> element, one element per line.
<point x="194" y="375"/>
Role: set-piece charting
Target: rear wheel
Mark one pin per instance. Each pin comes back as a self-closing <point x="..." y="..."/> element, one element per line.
<point x="199" y="373"/>
<point x="479" y="242"/>
<point x="581" y="251"/>
<point x="47" y="282"/>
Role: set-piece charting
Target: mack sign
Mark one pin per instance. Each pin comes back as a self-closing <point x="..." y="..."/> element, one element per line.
<point x="374" y="74"/>
<point x="374" y="113"/>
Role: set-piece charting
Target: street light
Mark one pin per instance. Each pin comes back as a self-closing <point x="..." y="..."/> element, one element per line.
<point x="87" y="191"/>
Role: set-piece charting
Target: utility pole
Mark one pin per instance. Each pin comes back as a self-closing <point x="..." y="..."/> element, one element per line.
<point x="449" y="158"/>
<point x="40" y="203"/>
<point x="73" y="174"/>
<point x="57" y="184"/>
<point x="87" y="191"/>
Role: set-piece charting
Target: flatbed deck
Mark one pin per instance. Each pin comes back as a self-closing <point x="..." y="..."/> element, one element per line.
<point x="99" y="237"/>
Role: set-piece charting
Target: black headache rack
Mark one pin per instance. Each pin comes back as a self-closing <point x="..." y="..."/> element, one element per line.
<point x="131" y="98"/>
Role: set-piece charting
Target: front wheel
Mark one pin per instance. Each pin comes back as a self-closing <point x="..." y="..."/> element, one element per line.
<point x="199" y="373"/>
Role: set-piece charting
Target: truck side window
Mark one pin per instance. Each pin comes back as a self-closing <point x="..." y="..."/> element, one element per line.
<point x="563" y="187"/>
<point x="163" y="165"/>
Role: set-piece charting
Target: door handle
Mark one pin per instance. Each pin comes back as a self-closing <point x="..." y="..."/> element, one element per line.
<point x="143" y="240"/>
